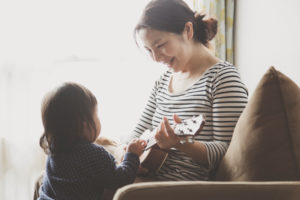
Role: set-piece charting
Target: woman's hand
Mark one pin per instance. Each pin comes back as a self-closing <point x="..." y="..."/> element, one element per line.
<point x="165" y="135"/>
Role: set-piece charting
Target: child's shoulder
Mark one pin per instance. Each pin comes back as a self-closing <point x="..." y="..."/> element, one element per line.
<point x="93" y="147"/>
<point x="88" y="149"/>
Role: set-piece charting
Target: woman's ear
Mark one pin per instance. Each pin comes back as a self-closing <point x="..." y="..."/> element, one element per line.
<point x="189" y="30"/>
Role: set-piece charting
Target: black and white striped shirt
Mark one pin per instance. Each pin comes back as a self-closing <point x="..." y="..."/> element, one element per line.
<point x="220" y="95"/>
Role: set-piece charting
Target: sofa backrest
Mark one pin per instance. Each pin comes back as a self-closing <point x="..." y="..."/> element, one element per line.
<point x="266" y="141"/>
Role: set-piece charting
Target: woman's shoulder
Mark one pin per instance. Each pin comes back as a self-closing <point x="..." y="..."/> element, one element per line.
<point x="227" y="75"/>
<point x="165" y="76"/>
<point x="221" y="69"/>
<point x="163" y="79"/>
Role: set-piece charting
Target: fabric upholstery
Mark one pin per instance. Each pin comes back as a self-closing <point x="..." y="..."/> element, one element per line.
<point x="266" y="141"/>
<point x="209" y="190"/>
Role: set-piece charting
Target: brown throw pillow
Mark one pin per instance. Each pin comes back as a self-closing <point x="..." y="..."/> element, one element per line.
<point x="266" y="141"/>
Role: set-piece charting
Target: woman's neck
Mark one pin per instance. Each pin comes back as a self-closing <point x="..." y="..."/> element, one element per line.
<point x="201" y="59"/>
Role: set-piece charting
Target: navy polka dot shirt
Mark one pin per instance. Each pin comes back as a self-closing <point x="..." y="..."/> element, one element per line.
<point x="85" y="172"/>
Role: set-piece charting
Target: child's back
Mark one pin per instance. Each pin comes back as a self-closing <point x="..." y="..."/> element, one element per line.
<point x="86" y="171"/>
<point x="80" y="169"/>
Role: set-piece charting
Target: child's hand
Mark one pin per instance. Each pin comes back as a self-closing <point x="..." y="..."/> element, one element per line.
<point x="136" y="146"/>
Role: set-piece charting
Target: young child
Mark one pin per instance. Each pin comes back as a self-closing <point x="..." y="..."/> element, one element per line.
<point x="76" y="167"/>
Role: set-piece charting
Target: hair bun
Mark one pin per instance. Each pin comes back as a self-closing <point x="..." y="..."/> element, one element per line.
<point x="199" y="15"/>
<point x="206" y="27"/>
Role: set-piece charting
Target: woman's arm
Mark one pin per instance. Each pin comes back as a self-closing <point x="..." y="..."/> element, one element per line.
<point x="167" y="139"/>
<point x="145" y="121"/>
<point x="229" y="97"/>
<point x="197" y="151"/>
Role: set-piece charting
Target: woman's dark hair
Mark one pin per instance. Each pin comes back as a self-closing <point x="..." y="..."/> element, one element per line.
<point x="65" y="110"/>
<point x="172" y="15"/>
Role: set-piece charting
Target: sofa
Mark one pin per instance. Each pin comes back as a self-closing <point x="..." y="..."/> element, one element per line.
<point x="263" y="158"/>
<point x="211" y="190"/>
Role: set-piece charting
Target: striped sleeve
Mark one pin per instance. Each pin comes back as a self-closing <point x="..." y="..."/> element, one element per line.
<point x="145" y="121"/>
<point x="229" y="98"/>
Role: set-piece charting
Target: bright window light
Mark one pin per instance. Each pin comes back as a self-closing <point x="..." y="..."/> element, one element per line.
<point x="44" y="43"/>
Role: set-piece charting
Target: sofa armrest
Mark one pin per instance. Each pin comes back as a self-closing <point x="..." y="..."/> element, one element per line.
<point x="208" y="190"/>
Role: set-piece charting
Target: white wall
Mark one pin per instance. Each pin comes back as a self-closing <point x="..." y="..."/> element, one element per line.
<point x="267" y="34"/>
<point x="44" y="43"/>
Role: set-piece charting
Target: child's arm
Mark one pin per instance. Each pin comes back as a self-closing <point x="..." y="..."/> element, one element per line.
<point x="116" y="150"/>
<point x="115" y="176"/>
<point x="125" y="173"/>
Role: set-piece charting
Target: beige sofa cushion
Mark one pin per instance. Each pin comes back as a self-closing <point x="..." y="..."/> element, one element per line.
<point x="266" y="141"/>
<point x="209" y="190"/>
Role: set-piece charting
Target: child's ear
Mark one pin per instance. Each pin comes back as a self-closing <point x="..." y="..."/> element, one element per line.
<point x="86" y="128"/>
<point x="84" y="124"/>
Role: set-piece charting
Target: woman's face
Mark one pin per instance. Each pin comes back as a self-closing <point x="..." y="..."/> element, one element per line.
<point x="167" y="48"/>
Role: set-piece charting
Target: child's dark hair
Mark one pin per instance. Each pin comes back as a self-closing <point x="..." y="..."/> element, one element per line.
<point x="172" y="15"/>
<point x="65" y="112"/>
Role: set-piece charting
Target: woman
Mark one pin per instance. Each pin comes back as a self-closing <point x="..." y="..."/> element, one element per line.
<point x="197" y="82"/>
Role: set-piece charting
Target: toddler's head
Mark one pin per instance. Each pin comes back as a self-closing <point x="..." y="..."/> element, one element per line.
<point x="69" y="114"/>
